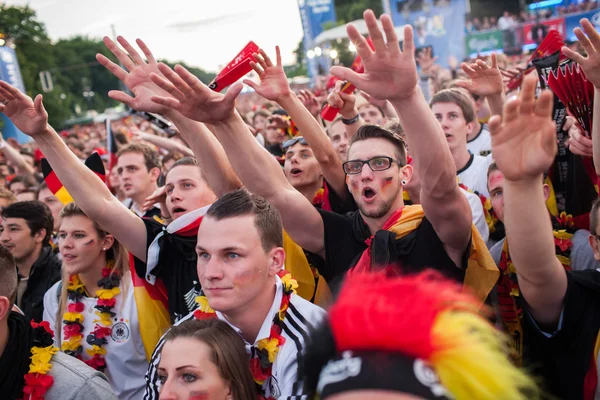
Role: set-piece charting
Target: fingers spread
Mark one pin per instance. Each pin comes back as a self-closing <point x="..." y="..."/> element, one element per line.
<point x="146" y="50"/>
<point x="117" y="71"/>
<point x="374" y="31"/>
<point x="278" y="56"/>
<point x="167" y="101"/>
<point x="132" y="52"/>
<point x="347" y="74"/>
<point x="121" y="97"/>
<point x="167" y="86"/>
<point x="590" y="30"/>
<point x="409" y="44"/>
<point x="528" y="94"/>
<point x="362" y="47"/>
<point x="573" y="55"/>
<point x="393" y="44"/>
<point x="120" y="54"/>
<point x="511" y="110"/>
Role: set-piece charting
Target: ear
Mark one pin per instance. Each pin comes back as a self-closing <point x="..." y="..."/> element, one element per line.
<point x="470" y="127"/>
<point x="108" y="242"/>
<point x="154" y="174"/>
<point x="40" y="235"/>
<point x="546" y="191"/>
<point x="593" y="244"/>
<point x="5" y="307"/>
<point x="406" y="173"/>
<point x="276" y="259"/>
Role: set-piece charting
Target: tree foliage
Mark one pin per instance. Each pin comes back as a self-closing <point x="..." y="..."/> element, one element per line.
<point x="71" y="63"/>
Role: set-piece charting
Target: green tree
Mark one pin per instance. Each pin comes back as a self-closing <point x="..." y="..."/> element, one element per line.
<point x="351" y="10"/>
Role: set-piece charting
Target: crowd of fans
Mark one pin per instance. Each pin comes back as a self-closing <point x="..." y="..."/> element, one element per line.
<point x="510" y="20"/>
<point x="249" y="248"/>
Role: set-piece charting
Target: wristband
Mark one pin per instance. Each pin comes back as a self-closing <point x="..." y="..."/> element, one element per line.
<point x="351" y="120"/>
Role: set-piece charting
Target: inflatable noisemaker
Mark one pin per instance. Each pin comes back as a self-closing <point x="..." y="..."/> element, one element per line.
<point x="93" y="162"/>
<point x="237" y="68"/>
<point x="571" y="86"/>
<point x="329" y="112"/>
<point x="552" y="43"/>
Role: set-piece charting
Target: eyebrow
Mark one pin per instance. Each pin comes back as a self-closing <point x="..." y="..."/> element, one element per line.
<point x="184" y="366"/>
<point x="230" y="248"/>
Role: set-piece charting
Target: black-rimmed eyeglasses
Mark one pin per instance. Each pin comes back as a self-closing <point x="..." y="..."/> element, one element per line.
<point x="380" y="163"/>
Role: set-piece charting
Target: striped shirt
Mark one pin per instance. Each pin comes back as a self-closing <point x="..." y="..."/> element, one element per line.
<point x="283" y="384"/>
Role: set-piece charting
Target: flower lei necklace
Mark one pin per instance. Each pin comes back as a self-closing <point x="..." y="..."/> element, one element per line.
<point x="37" y="380"/>
<point x="509" y="295"/>
<point x="262" y="360"/>
<point x="73" y="318"/>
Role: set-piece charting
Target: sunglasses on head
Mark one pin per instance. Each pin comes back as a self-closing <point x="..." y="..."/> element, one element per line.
<point x="293" y="141"/>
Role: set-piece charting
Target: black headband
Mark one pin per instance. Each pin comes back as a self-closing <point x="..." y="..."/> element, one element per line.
<point x="380" y="371"/>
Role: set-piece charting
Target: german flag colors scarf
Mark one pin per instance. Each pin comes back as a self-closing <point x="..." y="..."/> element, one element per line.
<point x="481" y="274"/>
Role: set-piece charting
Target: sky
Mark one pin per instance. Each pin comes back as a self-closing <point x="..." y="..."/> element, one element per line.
<point x="203" y="33"/>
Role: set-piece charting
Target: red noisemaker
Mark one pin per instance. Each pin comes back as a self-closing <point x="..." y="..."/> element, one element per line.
<point x="329" y="112"/>
<point x="552" y="43"/>
<point x="571" y="86"/>
<point x="237" y="68"/>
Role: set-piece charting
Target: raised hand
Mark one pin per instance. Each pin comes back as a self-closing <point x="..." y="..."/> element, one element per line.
<point x="591" y="44"/>
<point x="191" y="97"/>
<point x="273" y="82"/>
<point x="346" y="102"/>
<point x="372" y="100"/>
<point x="577" y="142"/>
<point x="389" y="73"/>
<point x="485" y="80"/>
<point x="278" y="122"/>
<point x="28" y="115"/>
<point x="137" y="79"/>
<point x="159" y="196"/>
<point x="310" y="101"/>
<point x="524" y="139"/>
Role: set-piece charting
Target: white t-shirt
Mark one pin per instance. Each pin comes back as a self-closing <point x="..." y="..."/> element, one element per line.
<point x="474" y="174"/>
<point x="481" y="144"/>
<point x="125" y="357"/>
<point x="478" y="214"/>
<point x="284" y="383"/>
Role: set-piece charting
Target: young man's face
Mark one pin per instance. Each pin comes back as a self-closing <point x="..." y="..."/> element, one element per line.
<point x="134" y="175"/>
<point x="275" y="135"/>
<point x="496" y="189"/>
<point x="371" y="115"/>
<point x="339" y="139"/>
<point x="16" y="236"/>
<point x="18" y="187"/>
<point x="376" y="192"/>
<point x="186" y="190"/>
<point x="301" y="167"/>
<point x="49" y="199"/>
<point x="233" y="267"/>
<point x="454" y="125"/>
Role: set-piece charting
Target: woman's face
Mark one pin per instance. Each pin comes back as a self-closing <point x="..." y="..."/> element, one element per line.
<point x="186" y="372"/>
<point x="80" y="245"/>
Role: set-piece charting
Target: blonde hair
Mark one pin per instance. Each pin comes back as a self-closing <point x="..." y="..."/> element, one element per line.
<point x="117" y="254"/>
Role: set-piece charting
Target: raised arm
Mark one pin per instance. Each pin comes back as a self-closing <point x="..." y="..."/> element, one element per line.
<point x="274" y="86"/>
<point x="163" y="142"/>
<point x="392" y="74"/>
<point x="486" y="81"/>
<point x="256" y="168"/>
<point x="524" y="146"/>
<point x="86" y="188"/>
<point x="11" y="154"/>
<point x="346" y="102"/>
<point x="589" y="38"/>
<point x="211" y="156"/>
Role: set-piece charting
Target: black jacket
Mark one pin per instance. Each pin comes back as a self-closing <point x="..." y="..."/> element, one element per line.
<point x="45" y="272"/>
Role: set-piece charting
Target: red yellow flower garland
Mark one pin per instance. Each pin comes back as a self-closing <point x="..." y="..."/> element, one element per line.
<point x="37" y="380"/>
<point x="73" y="318"/>
<point x="509" y="296"/>
<point x="262" y="360"/>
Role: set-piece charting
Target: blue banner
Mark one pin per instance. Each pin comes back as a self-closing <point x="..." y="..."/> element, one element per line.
<point x="572" y="22"/>
<point x="314" y="14"/>
<point x="441" y="26"/>
<point x="11" y="73"/>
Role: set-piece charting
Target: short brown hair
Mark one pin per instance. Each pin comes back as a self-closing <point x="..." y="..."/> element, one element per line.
<point x="173" y="155"/>
<point x="241" y="203"/>
<point x="150" y="155"/>
<point x="8" y="275"/>
<point x="377" y="132"/>
<point x="227" y="352"/>
<point x="458" y="97"/>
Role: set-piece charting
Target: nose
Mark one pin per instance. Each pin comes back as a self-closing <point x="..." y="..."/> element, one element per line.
<point x="211" y="269"/>
<point x="66" y="242"/>
<point x="166" y="393"/>
<point x="366" y="173"/>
